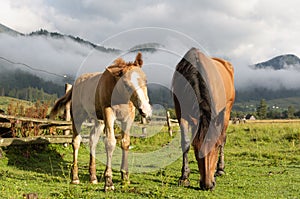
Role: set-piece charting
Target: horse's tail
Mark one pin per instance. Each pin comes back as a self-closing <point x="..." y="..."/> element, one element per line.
<point x="61" y="103"/>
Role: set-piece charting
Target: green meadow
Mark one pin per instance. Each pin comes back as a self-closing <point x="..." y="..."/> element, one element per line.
<point x="262" y="161"/>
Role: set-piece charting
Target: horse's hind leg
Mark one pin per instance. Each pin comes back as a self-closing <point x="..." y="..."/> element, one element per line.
<point x="76" y="144"/>
<point x="185" y="146"/>
<point x="94" y="138"/>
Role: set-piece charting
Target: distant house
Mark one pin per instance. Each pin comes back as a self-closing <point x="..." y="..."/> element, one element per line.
<point x="250" y="117"/>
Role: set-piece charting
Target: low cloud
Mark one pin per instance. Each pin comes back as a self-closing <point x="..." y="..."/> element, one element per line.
<point x="247" y="77"/>
<point x="45" y="56"/>
<point x="67" y="57"/>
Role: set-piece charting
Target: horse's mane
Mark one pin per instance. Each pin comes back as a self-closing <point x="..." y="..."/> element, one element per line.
<point x="121" y="63"/>
<point x="120" y="66"/>
<point x="195" y="79"/>
<point x="191" y="73"/>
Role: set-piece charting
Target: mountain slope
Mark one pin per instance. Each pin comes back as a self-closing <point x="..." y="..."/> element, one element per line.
<point x="288" y="61"/>
<point x="56" y="35"/>
<point x="7" y="30"/>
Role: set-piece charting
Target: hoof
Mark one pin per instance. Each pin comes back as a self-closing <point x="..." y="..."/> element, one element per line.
<point x="75" y="182"/>
<point x="126" y="182"/>
<point x="125" y="177"/>
<point x="109" y="188"/>
<point x="109" y="185"/>
<point x="185" y="182"/>
<point x="220" y="173"/>
<point x="94" y="181"/>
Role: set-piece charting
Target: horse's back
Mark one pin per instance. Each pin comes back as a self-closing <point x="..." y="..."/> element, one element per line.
<point x="87" y="78"/>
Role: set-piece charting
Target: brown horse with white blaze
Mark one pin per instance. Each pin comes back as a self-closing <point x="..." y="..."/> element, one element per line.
<point x="108" y="96"/>
<point x="203" y="92"/>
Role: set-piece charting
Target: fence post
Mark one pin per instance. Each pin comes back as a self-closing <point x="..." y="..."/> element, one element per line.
<point x="68" y="109"/>
<point x="169" y="124"/>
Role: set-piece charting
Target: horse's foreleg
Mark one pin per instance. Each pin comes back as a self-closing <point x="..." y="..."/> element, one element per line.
<point x="110" y="144"/>
<point x="94" y="138"/>
<point x="76" y="144"/>
<point x="185" y="146"/>
<point x="125" y="148"/>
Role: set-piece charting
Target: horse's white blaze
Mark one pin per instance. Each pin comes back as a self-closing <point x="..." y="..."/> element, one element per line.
<point x="135" y="79"/>
<point x="144" y="106"/>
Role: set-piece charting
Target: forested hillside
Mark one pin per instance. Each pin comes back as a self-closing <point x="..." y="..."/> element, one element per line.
<point x="263" y="93"/>
<point x="24" y="85"/>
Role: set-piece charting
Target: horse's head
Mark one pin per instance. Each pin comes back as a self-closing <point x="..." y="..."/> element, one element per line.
<point x="207" y="167"/>
<point x="132" y="84"/>
<point x="208" y="152"/>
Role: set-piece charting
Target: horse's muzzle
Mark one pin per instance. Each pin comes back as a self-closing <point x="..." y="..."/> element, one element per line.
<point x="142" y="113"/>
<point x="148" y="118"/>
<point x="207" y="187"/>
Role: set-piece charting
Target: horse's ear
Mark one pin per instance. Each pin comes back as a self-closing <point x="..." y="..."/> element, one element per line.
<point x="138" y="60"/>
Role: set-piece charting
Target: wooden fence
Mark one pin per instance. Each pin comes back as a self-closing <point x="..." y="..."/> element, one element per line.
<point x="25" y="130"/>
<point x="47" y="139"/>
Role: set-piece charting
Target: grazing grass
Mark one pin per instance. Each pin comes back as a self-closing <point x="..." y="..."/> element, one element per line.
<point x="262" y="161"/>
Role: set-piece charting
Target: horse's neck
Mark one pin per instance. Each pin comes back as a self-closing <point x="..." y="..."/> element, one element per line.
<point x="108" y="81"/>
<point x="110" y="92"/>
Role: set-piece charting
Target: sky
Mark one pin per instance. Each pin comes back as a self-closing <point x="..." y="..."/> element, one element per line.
<point x="243" y="32"/>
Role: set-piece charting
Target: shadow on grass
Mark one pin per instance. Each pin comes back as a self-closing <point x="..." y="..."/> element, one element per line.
<point x="41" y="158"/>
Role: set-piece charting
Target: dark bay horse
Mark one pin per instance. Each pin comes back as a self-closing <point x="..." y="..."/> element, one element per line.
<point x="108" y="96"/>
<point x="203" y="92"/>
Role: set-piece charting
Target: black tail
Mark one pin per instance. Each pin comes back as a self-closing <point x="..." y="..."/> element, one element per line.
<point x="61" y="103"/>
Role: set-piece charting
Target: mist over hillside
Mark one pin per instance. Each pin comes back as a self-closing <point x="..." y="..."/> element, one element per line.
<point x="61" y="58"/>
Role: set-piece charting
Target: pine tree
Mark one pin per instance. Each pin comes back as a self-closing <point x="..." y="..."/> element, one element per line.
<point x="291" y="112"/>
<point x="262" y="109"/>
<point x="2" y="91"/>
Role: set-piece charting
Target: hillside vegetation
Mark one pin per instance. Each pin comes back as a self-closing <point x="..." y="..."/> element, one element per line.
<point x="23" y="85"/>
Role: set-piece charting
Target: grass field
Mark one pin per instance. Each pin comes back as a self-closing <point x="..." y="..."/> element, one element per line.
<point x="262" y="161"/>
<point x="5" y="101"/>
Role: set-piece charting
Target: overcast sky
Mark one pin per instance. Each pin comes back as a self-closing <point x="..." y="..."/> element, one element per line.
<point x="245" y="32"/>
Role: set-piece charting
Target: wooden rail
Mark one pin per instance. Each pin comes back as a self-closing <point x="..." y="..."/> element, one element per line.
<point x="25" y="126"/>
<point x="50" y="139"/>
<point x="28" y="119"/>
